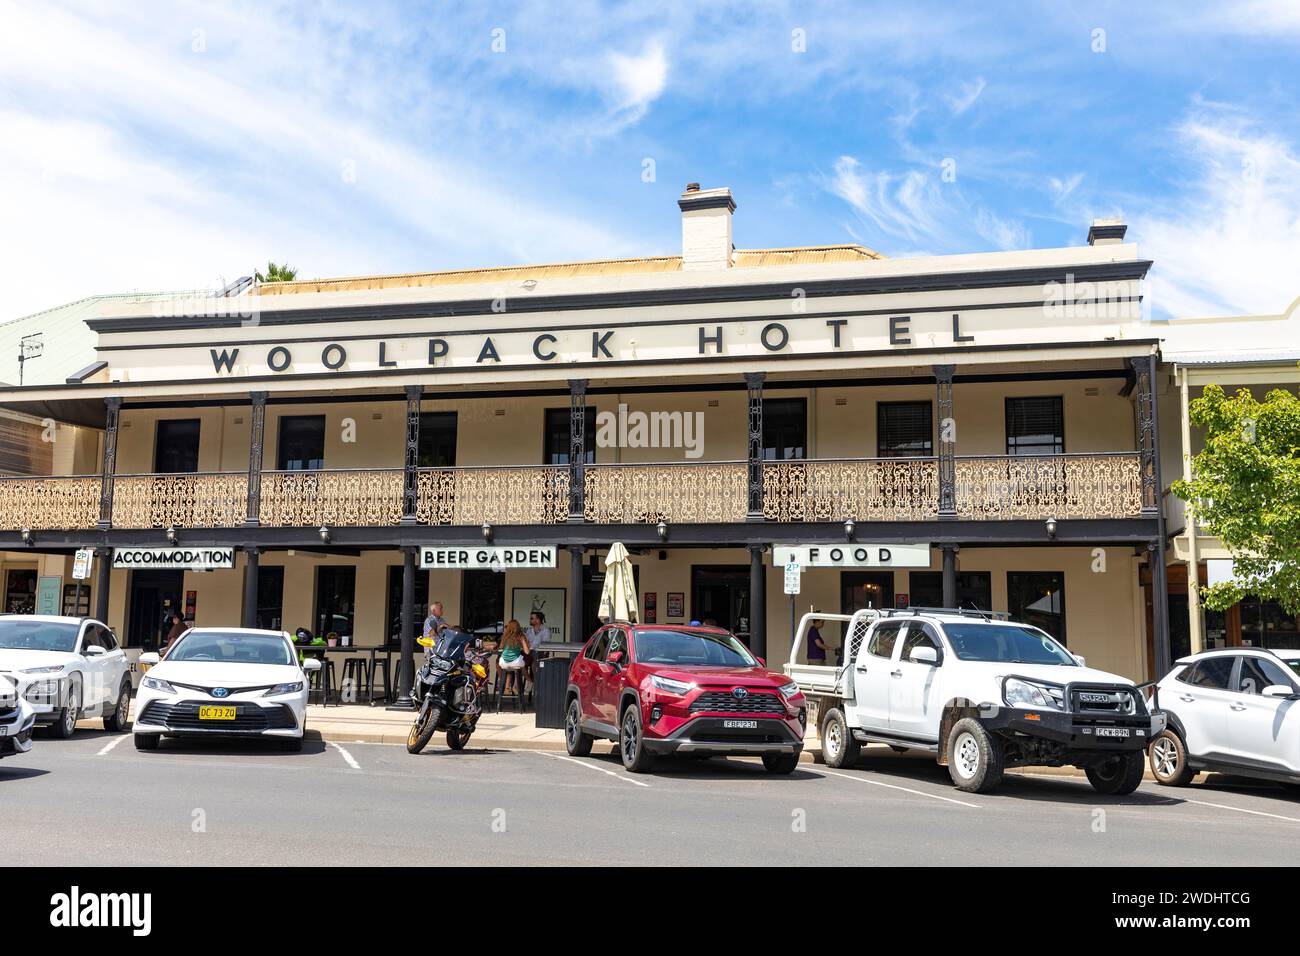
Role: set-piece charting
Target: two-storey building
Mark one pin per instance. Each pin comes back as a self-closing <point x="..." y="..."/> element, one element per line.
<point x="975" y="430"/>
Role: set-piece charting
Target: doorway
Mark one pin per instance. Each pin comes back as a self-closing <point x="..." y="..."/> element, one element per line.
<point x="720" y="596"/>
<point x="863" y="589"/>
<point x="482" y="599"/>
<point x="176" y="446"/>
<point x="155" y="595"/>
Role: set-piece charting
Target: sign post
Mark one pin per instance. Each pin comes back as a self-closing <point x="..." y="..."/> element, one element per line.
<point x="80" y="571"/>
<point x="793" y="579"/>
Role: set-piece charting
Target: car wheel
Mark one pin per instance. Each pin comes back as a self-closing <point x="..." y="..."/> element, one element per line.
<point x="577" y="743"/>
<point x="631" y="742"/>
<point x="66" y="723"/>
<point x="1118" y="776"/>
<point x="458" y="737"/>
<point x="1168" y="756"/>
<point x="975" y="758"/>
<point x="839" y="749"/>
<point x="116" y="721"/>
<point x="147" y="741"/>
<point x="780" y="763"/>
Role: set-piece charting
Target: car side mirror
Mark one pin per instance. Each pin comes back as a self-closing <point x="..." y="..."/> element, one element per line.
<point x="94" y="650"/>
<point x="924" y="654"/>
<point x="310" y="665"/>
<point x="762" y="661"/>
<point x="1280" y="690"/>
<point x="148" y="658"/>
<point x="1080" y="660"/>
<point x="615" y="658"/>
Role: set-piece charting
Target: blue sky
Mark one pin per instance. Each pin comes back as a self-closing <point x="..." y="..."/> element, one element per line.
<point x="163" y="146"/>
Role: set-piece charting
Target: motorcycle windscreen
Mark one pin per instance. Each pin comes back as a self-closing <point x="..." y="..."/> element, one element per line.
<point x="452" y="643"/>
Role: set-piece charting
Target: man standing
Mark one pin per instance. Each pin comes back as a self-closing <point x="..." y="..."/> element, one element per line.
<point x="536" y="633"/>
<point x="434" y="622"/>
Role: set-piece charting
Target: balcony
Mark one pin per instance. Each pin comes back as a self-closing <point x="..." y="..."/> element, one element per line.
<point x="987" y="488"/>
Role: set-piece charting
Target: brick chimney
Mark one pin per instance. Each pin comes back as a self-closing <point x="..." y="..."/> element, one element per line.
<point x="706" y="228"/>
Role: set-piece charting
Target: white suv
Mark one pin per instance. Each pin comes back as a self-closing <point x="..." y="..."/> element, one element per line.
<point x="66" y="668"/>
<point x="1234" y="710"/>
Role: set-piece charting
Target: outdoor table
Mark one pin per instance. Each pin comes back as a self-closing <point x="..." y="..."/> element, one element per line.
<point x="320" y="650"/>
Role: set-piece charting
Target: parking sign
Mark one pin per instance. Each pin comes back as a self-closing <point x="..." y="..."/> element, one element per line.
<point x="792" y="577"/>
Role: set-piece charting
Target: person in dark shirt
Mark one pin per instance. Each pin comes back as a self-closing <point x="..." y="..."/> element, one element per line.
<point x="816" y="646"/>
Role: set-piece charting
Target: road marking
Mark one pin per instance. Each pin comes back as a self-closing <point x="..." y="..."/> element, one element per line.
<point x="583" y="763"/>
<point x="111" y="744"/>
<point x="351" y="762"/>
<point x="878" y="783"/>
<point x="1258" y="813"/>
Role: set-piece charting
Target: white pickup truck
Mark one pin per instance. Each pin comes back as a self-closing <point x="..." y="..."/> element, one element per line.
<point x="981" y="692"/>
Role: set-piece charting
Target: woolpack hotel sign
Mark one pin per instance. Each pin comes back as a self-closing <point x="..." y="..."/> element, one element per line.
<point x="644" y="342"/>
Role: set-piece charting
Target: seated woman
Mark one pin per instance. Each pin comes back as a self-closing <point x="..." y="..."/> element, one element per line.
<point x="514" y="645"/>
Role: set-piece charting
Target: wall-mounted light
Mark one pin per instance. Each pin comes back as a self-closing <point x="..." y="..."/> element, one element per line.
<point x="848" y="529"/>
<point x="487" y="532"/>
<point x="172" y="536"/>
<point x="662" y="528"/>
<point x="27" y="535"/>
<point x="1051" y="527"/>
<point x="324" y="533"/>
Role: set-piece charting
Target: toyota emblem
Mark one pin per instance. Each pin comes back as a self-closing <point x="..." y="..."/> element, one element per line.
<point x="220" y="691"/>
<point x="739" y="693"/>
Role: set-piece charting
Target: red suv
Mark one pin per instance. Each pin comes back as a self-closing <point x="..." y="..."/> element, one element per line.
<point x="659" y="689"/>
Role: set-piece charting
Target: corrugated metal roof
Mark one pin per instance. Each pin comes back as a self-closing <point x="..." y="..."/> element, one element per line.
<point x="745" y="259"/>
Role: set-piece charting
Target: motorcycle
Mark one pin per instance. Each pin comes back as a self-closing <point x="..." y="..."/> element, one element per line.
<point x="449" y="690"/>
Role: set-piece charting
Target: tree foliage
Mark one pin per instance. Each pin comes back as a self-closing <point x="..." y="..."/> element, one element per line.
<point x="1245" y="491"/>
<point x="276" y="273"/>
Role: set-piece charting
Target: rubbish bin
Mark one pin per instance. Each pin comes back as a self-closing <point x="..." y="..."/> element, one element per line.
<point x="552" y="684"/>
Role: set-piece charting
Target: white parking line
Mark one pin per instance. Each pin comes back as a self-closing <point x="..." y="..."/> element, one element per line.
<point x="111" y="744"/>
<point x="1258" y="813"/>
<point x="351" y="762"/>
<point x="583" y="763"/>
<point x="878" y="783"/>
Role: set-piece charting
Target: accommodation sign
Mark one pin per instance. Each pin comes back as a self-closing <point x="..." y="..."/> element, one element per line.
<point x="198" y="559"/>
<point x="454" y="557"/>
<point x="852" y="555"/>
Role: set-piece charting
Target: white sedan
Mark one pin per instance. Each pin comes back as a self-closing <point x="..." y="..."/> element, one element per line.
<point x="17" y="720"/>
<point x="224" y="682"/>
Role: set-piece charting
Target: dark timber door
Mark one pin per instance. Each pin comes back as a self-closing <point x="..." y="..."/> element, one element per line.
<point x="154" y="596"/>
<point x="720" y="596"/>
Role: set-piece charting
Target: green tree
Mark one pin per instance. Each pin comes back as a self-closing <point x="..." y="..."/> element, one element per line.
<point x="1245" y="491"/>
<point x="276" y="273"/>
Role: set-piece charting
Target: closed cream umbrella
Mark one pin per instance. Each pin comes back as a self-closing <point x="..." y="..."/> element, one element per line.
<point x="618" y="600"/>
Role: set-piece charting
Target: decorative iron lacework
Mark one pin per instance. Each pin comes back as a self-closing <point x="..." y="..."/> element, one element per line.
<point x="647" y="494"/>
<point x="354" y="498"/>
<point x="50" y="503"/>
<point x="899" y="489"/>
<point x="1054" y="486"/>
<point x="470" y="496"/>
<point x="183" y="500"/>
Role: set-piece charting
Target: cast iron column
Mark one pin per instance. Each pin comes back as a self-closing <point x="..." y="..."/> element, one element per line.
<point x="577" y="449"/>
<point x="256" y="435"/>
<point x="113" y="408"/>
<point x="575" y="594"/>
<point x="950" y="575"/>
<point x="406" y="663"/>
<point x="754" y="383"/>
<point x="757" y="602"/>
<point x="252" y="559"/>
<point x="947" y="443"/>
<point x="410" y="470"/>
<point x="1147" y="422"/>
<point x="103" y="570"/>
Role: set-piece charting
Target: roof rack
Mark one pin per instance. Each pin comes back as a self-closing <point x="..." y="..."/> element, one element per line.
<point x="961" y="611"/>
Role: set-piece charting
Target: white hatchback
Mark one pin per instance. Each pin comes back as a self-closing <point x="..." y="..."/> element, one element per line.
<point x="224" y="682"/>
<point x="66" y="668"/>
<point x="1233" y="710"/>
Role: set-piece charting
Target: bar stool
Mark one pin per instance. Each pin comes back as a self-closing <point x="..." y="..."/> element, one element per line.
<point x="380" y="662"/>
<point x="357" y="670"/>
<point x="517" y="695"/>
<point x="322" y="681"/>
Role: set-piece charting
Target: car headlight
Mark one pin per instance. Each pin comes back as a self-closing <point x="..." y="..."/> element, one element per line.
<point x="670" y="686"/>
<point x="52" y="669"/>
<point x="42" y="691"/>
<point x="1022" y="693"/>
<point x="290" y="688"/>
<point x="157" y="683"/>
<point x="788" y="690"/>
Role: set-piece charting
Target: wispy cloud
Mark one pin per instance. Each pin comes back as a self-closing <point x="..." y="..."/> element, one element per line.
<point x="967" y="96"/>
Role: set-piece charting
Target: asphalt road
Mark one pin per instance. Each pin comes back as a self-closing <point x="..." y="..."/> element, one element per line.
<point x="95" y="800"/>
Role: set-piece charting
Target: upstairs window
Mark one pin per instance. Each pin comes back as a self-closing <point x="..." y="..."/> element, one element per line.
<point x="1035" y="426"/>
<point x="301" y="443"/>
<point x="904" y="430"/>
